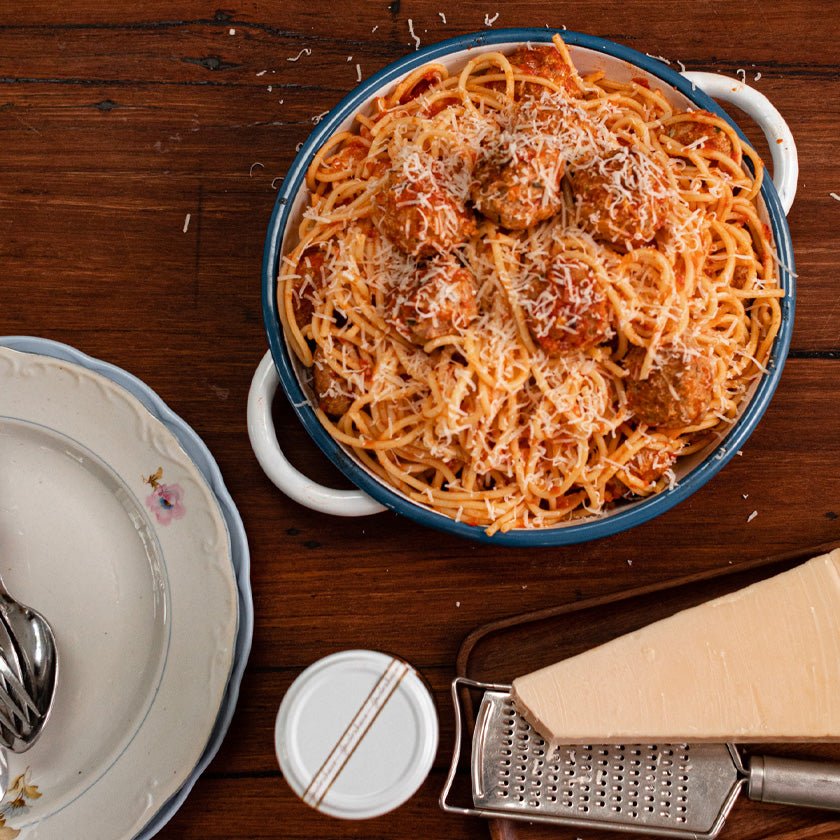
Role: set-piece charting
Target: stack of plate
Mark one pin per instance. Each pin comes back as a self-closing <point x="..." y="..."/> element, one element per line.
<point x="116" y="525"/>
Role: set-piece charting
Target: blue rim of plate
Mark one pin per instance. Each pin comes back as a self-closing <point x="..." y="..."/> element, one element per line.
<point x="619" y="519"/>
<point x="199" y="454"/>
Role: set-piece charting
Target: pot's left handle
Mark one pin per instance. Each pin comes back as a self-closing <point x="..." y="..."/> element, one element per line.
<point x="292" y="482"/>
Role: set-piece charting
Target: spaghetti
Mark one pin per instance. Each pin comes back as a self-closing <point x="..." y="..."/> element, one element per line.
<point x="524" y="294"/>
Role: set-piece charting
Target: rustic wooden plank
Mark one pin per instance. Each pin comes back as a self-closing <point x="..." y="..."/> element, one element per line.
<point x="65" y="161"/>
<point x="119" y="120"/>
<point x="262" y="808"/>
<point x="244" y="772"/>
<point x="781" y="32"/>
<point x="467" y="584"/>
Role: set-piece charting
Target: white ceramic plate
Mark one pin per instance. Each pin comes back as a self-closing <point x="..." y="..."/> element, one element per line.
<point x="108" y="528"/>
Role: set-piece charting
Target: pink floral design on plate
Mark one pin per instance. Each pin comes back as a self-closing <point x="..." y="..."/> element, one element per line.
<point x="165" y="500"/>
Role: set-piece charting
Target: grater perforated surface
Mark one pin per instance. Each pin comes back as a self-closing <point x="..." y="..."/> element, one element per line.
<point x="667" y="787"/>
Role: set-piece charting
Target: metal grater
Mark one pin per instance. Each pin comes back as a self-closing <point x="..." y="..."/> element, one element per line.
<point x="666" y="790"/>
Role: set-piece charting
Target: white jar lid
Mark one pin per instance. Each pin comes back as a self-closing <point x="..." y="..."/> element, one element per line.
<point x="356" y="734"/>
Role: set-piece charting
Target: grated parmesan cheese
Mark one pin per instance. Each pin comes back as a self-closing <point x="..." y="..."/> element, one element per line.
<point x="413" y="36"/>
<point x="304" y="51"/>
<point x="535" y="426"/>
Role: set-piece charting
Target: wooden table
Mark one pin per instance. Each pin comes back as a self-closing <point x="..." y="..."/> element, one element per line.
<point x="141" y="147"/>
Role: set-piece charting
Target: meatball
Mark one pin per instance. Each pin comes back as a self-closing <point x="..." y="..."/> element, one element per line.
<point x="649" y="464"/>
<point x="640" y="474"/>
<point x="309" y="280"/>
<point x="677" y="391"/>
<point x="565" y="310"/>
<point x="429" y="80"/>
<point x="336" y="392"/>
<point x="623" y="198"/>
<point x="741" y="275"/>
<point x="438" y="301"/>
<point x="700" y="135"/>
<point x="419" y="209"/>
<point x="346" y="161"/>
<point x="518" y="194"/>
<point x="546" y="62"/>
<point x="516" y="181"/>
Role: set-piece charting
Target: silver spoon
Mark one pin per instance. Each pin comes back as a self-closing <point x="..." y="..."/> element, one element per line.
<point x="32" y="656"/>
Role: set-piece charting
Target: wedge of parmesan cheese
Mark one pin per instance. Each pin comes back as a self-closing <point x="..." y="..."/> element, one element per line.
<point x="760" y="664"/>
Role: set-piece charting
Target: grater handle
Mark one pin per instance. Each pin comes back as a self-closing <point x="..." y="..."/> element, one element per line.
<point x="456" y="754"/>
<point x="457" y="684"/>
<point x="787" y="781"/>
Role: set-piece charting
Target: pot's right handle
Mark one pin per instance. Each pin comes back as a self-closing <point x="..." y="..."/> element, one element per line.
<point x="276" y="466"/>
<point x="770" y="121"/>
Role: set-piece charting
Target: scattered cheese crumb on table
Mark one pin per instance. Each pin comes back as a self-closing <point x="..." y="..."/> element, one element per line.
<point x="187" y="221"/>
<point x="304" y="51"/>
<point x="411" y="32"/>
<point x="752" y="516"/>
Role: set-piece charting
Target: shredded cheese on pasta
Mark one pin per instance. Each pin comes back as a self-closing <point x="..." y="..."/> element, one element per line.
<point x="502" y="373"/>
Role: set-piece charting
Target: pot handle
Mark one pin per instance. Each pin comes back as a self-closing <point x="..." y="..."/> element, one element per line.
<point x="276" y="466"/>
<point x="769" y="120"/>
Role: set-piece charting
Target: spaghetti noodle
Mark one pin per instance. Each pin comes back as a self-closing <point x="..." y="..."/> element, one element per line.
<point x="523" y="293"/>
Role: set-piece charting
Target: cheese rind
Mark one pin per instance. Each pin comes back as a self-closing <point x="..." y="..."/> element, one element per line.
<point x="760" y="664"/>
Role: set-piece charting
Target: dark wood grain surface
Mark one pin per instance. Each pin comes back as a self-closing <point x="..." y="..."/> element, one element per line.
<point x="120" y="120"/>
